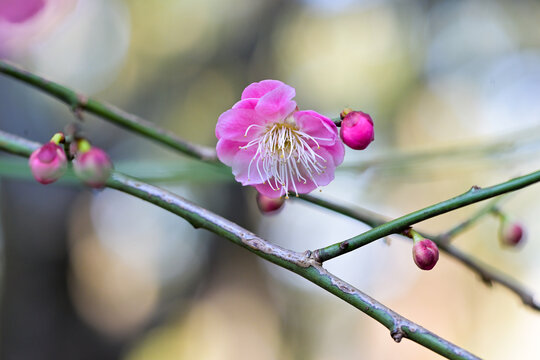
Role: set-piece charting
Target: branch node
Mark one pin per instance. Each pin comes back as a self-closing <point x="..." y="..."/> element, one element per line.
<point x="397" y="334"/>
<point x="316" y="256"/>
<point x="475" y="188"/>
<point x="78" y="104"/>
<point x="407" y="232"/>
<point x="344" y="245"/>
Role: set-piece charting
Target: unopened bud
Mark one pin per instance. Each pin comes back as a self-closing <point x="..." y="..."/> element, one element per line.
<point x="425" y="254"/>
<point x="93" y="167"/>
<point x="269" y="205"/>
<point x="511" y="233"/>
<point x="356" y="129"/>
<point x="48" y="163"/>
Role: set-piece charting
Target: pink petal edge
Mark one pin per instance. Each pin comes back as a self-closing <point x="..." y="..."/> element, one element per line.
<point x="257" y="90"/>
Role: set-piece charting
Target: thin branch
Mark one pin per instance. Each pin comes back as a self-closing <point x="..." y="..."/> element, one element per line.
<point x="490" y="275"/>
<point x="79" y="102"/>
<point x="487" y="274"/>
<point x="459" y="228"/>
<point x="491" y="147"/>
<point x="302" y="264"/>
<point x="475" y="194"/>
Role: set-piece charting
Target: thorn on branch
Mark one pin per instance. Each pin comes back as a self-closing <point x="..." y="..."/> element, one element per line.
<point x="475" y="188"/>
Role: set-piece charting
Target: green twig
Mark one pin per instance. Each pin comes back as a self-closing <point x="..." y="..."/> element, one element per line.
<point x="301" y="264"/>
<point x="459" y="228"/>
<point x="488" y="274"/>
<point x="79" y="102"/>
<point x="475" y="194"/>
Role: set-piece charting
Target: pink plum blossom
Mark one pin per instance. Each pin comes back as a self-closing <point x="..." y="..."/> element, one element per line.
<point x="48" y="163"/>
<point x="271" y="145"/>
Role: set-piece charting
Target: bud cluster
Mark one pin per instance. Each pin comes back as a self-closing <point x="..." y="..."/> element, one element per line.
<point x="92" y="165"/>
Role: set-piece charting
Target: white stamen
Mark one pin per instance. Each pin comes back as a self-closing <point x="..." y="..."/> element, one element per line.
<point x="285" y="156"/>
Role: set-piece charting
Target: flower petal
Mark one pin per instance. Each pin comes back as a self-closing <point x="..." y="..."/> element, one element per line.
<point x="337" y="151"/>
<point x="244" y="167"/>
<point x="227" y="149"/>
<point x="318" y="179"/>
<point x="321" y="128"/>
<point x="234" y="123"/>
<point x="277" y="104"/>
<point x="266" y="190"/>
<point x="246" y="104"/>
<point x="257" y="90"/>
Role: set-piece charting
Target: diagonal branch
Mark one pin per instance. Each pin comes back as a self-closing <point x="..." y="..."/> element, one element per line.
<point x="301" y="264"/>
<point x="459" y="228"/>
<point x="487" y="274"/>
<point x="475" y="194"/>
<point x="79" y="102"/>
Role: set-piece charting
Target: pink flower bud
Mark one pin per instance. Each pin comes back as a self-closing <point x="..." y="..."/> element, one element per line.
<point x="425" y="254"/>
<point x="93" y="167"/>
<point x="357" y="130"/>
<point x="48" y="163"/>
<point x="511" y="234"/>
<point x="269" y="205"/>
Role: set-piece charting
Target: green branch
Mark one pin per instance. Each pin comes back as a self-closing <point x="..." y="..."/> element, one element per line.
<point x="79" y="102"/>
<point x="459" y="228"/>
<point x="487" y="274"/>
<point x="475" y="194"/>
<point x="301" y="264"/>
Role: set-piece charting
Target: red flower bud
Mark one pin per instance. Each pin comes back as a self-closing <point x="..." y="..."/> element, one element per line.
<point x="93" y="167"/>
<point x="511" y="234"/>
<point x="48" y="163"/>
<point x="357" y="130"/>
<point x="425" y="254"/>
<point x="269" y="205"/>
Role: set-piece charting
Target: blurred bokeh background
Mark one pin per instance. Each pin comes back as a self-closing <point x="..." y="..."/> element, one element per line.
<point x="453" y="87"/>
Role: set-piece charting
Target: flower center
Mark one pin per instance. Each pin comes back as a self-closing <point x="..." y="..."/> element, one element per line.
<point x="284" y="156"/>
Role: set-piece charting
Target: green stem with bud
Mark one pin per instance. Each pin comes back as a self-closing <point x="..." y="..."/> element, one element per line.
<point x="487" y="274"/>
<point x="475" y="194"/>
